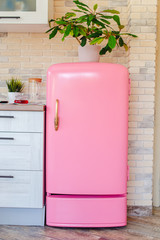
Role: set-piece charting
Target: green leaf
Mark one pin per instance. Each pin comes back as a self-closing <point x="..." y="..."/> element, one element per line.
<point x="80" y="3"/>
<point x="76" y="10"/>
<point x="83" y="41"/>
<point x="61" y="22"/>
<point x="121" y="26"/>
<point x="88" y="21"/>
<point x="96" y="34"/>
<point x="98" y="23"/>
<point x="90" y="18"/>
<point x="71" y="33"/>
<point x="82" y="18"/>
<point x="82" y="8"/>
<point x="105" y="49"/>
<point x="49" y="30"/>
<point x="116" y="32"/>
<point x="97" y="40"/>
<point x="105" y="21"/>
<point x="69" y="15"/>
<point x="63" y="38"/>
<point x="68" y="30"/>
<point x="121" y="42"/>
<point x="111" y="11"/>
<point x="129" y="34"/>
<point x="82" y="30"/>
<point x="95" y="7"/>
<point x="117" y="36"/>
<point x="125" y="46"/>
<point x="112" y="42"/>
<point x="53" y="33"/>
<point x="15" y="85"/>
<point x="61" y="31"/>
<point x="52" y="20"/>
<point x="75" y="31"/>
<point x="117" y="19"/>
<point x="104" y="16"/>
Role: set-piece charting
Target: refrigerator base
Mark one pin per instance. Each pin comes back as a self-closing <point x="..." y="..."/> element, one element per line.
<point x="86" y="211"/>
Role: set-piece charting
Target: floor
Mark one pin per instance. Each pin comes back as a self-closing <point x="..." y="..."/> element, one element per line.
<point x="138" y="228"/>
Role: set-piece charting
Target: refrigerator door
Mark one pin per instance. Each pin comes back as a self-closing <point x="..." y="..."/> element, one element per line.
<point x="87" y="153"/>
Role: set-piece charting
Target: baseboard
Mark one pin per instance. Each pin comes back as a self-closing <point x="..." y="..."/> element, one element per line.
<point x="139" y="211"/>
<point x="36" y="216"/>
<point x="22" y="216"/>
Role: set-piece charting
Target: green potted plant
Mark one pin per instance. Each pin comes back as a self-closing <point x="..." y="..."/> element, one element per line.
<point x="15" y="86"/>
<point x="90" y="29"/>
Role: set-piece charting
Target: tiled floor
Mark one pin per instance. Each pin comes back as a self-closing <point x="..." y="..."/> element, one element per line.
<point x="138" y="228"/>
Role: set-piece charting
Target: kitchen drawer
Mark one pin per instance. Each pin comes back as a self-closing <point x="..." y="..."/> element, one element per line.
<point x="21" y="189"/>
<point x="86" y="211"/>
<point x="21" y="121"/>
<point x="21" y="151"/>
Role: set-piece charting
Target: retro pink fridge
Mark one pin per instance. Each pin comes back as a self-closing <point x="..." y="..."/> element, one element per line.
<point x="86" y="145"/>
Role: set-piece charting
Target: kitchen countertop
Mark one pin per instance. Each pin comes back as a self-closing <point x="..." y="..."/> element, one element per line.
<point x="22" y="107"/>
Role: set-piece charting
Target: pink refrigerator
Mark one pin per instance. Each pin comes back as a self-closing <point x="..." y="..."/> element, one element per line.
<point x="86" y="145"/>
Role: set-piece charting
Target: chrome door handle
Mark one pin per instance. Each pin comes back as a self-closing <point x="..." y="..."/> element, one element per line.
<point x="56" y="119"/>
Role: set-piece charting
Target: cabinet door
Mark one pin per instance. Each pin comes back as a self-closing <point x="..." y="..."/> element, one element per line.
<point x="88" y="152"/>
<point x="22" y="12"/>
<point x="21" y="151"/>
<point x="21" y="189"/>
<point x="21" y="121"/>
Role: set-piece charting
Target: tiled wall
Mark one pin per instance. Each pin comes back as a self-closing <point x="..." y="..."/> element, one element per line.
<point x="28" y="54"/>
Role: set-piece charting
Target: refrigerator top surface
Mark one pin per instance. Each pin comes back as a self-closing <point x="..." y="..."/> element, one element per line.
<point x="86" y="66"/>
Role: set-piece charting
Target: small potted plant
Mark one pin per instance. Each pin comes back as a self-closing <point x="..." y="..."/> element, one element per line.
<point x="91" y="28"/>
<point x="15" y="86"/>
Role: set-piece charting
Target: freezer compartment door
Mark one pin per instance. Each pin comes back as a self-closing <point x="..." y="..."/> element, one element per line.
<point x="87" y="128"/>
<point x="80" y="211"/>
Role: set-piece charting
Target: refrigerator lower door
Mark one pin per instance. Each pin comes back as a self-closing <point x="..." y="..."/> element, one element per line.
<point x="86" y="211"/>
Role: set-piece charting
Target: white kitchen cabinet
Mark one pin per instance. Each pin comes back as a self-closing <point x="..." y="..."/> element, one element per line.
<point x="21" y="189"/>
<point x="22" y="166"/>
<point x="21" y="121"/>
<point x="24" y="15"/>
<point x="21" y="151"/>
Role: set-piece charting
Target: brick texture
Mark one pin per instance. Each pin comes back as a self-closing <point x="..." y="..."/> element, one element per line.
<point x="141" y="66"/>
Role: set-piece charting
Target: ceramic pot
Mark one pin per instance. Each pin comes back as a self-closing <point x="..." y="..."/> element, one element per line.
<point x="12" y="96"/>
<point x="89" y="53"/>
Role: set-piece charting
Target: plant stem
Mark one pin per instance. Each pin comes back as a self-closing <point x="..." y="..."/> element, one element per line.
<point x="78" y="40"/>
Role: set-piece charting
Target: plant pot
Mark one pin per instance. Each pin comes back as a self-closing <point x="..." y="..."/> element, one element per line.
<point x="12" y="96"/>
<point x="89" y="53"/>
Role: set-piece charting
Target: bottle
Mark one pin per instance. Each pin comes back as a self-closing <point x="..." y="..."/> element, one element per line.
<point x="34" y="89"/>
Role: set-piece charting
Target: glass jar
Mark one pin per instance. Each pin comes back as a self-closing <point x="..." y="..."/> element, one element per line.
<point x="34" y="89"/>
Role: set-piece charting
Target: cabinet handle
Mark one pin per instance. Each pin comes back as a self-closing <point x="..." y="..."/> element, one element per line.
<point x="6" y="176"/>
<point x="56" y="119"/>
<point x="6" y="116"/>
<point x="16" y="17"/>
<point x="5" y="138"/>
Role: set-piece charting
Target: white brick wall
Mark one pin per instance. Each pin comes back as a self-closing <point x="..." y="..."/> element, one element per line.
<point x="142" y="72"/>
<point x="28" y="54"/>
